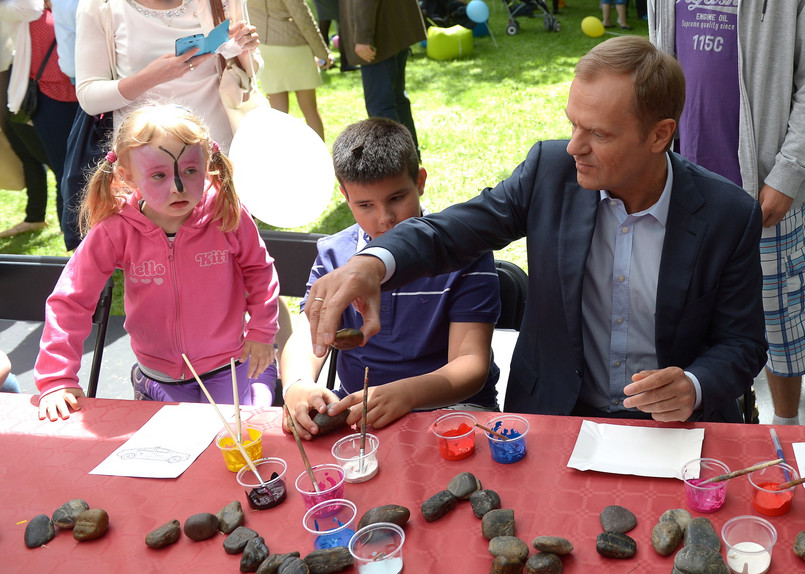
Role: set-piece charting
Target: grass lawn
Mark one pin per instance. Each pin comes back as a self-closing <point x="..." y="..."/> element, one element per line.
<point x="476" y="117"/>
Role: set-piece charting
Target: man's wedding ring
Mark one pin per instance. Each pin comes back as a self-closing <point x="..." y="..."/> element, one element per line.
<point x="318" y="299"/>
<point x="191" y="67"/>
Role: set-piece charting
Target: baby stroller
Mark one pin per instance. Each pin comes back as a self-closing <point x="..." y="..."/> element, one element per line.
<point x="445" y="13"/>
<point x="526" y="9"/>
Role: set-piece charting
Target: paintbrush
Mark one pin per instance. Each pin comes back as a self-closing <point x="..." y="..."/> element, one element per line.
<point x="236" y="399"/>
<point x="306" y="462"/>
<point x="490" y="431"/>
<point x="363" y="417"/>
<point x="734" y="473"/>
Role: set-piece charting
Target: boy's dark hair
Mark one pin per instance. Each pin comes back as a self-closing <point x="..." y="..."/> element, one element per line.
<point x="374" y="150"/>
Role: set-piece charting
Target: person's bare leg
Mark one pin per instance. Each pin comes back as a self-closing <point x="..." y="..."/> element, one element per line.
<point x="785" y="392"/>
<point x="606" y="14"/>
<point x="621" y="10"/>
<point x="307" y="103"/>
<point x="279" y="101"/>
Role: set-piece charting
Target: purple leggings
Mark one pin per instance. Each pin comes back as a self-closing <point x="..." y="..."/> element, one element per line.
<point x="258" y="391"/>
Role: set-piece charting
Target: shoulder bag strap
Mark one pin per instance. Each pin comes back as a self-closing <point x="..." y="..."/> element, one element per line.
<point x="45" y="61"/>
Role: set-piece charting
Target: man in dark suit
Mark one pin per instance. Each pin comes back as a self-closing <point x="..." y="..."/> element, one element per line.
<point x="644" y="272"/>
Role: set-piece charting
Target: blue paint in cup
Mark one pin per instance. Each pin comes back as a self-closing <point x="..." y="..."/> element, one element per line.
<point x="514" y="428"/>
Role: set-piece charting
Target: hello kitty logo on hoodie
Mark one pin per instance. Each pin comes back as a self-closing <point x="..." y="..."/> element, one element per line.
<point x="148" y="271"/>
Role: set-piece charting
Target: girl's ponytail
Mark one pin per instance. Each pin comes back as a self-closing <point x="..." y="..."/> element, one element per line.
<point x="227" y="203"/>
<point x="99" y="199"/>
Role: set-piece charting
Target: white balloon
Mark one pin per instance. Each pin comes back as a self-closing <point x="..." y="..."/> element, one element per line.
<point x="283" y="171"/>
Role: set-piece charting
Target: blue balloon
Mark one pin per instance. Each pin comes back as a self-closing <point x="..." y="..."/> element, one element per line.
<point x="478" y="11"/>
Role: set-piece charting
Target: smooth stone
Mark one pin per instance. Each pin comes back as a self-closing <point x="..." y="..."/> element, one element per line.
<point x="799" y="545"/>
<point x="201" y="526"/>
<point x="678" y="515"/>
<point x="254" y="553"/>
<point x="700" y="532"/>
<point x="230" y="517"/>
<point x="393" y="513"/>
<point x="463" y="485"/>
<point x="293" y="565"/>
<point x="483" y="501"/>
<point x="237" y="539"/>
<point x="66" y="515"/>
<point x="506" y="565"/>
<point x="438" y="505"/>
<point x="328" y="560"/>
<point x="327" y="423"/>
<point x="616" y="518"/>
<point x="543" y="563"/>
<point x="165" y="535"/>
<point x="693" y="559"/>
<point x="665" y="537"/>
<point x="509" y="546"/>
<point x="91" y="524"/>
<point x="498" y="522"/>
<point x="615" y="545"/>
<point x="553" y="544"/>
<point x="39" y="531"/>
<point x="271" y="565"/>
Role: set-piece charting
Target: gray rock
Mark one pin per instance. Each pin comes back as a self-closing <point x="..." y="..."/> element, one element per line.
<point x="509" y="546"/>
<point x="237" y="539"/>
<point x="799" y="545"/>
<point x="230" y="517"/>
<point x="543" y="563"/>
<point x="66" y="515"/>
<point x="483" y="501"/>
<point x="329" y="560"/>
<point x="91" y="524"/>
<point x="438" y="505"/>
<point x="463" y="485"/>
<point x="254" y="553"/>
<point x="665" y="537"/>
<point x="165" y="535"/>
<point x="293" y="566"/>
<point x="615" y="545"/>
<point x="552" y="544"/>
<point x="39" y="531"/>
<point x="328" y="424"/>
<point x="201" y="526"/>
<point x="700" y="532"/>
<point x="678" y="515"/>
<point x="271" y="565"/>
<point x="617" y="519"/>
<point x="694" y="559"/>
<point x="498" y="522"/>
<point x="393" y="513"/>
<point x="506" y="565"/>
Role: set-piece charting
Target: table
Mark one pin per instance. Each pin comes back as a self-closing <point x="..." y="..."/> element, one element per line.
<point x="44" y="464"/>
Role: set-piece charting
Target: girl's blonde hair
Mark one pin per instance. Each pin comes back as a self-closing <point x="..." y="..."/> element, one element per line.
<point x="106" y="194"/>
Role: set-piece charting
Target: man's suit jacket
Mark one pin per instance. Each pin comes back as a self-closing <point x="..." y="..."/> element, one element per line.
<point x="709" y="316"/>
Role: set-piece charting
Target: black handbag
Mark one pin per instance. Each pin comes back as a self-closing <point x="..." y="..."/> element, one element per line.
<point x="30" y="102"/>
<point x="85" y="149"/>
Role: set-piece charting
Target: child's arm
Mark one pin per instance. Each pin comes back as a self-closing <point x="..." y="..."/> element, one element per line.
<point x="261" y="355"/>
<point x="300" y="369"/>
<point x="463" y="376"/>
<point x="58" y="403"/>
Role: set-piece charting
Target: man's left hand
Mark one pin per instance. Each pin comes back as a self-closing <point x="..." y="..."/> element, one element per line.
<point x="774" y="205"/>
<point x="667" y="394"/>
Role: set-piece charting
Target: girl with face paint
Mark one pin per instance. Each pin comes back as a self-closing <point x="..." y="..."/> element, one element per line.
<point x="198" y="281"/>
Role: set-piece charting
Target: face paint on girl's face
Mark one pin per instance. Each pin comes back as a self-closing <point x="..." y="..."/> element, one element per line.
<point x="154" y="171"/>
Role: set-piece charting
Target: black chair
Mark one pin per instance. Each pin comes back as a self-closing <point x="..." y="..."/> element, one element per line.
<point x="294" y="255"/>
<point x="26" y="281"/>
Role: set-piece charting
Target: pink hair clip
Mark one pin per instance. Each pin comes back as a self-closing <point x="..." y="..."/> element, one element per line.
<point x="111" y="157"/>
<point x="215" y="147"/>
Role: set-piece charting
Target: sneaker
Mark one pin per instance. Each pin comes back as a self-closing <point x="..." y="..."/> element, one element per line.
<point x="23" y="227"/>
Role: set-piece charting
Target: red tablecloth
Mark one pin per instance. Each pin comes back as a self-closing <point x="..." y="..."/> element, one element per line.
<point x="43" y="464"/>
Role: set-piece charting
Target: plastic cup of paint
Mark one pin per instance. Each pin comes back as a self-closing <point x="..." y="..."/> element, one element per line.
<point x="331" y="523"/>
<point x="515" y="429"/>
<point x="347" y="453"/>
<point x="748" y="542"/>
<point x="709" y="497"/>
<point x="329" y="480"/>
<point x="766" y="499"/>
<point x="455" y="435"/>
<point x="270" y="494"/>
<point x="378" y="548"/>
<point x="251" y="440"/>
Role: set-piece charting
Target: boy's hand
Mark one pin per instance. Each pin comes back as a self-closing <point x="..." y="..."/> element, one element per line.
<point x="303" y="397"/>
<point x="261" y="354"/>
<point x="58" y="403"/>
<point x="385" y="404"/>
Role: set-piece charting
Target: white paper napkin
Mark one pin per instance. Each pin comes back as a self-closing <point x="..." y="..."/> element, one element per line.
<point x="642" y="451"/>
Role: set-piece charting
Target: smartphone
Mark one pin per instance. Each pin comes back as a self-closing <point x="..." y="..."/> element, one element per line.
<point x="205" y="44"/>
<point x="188" y="43"/>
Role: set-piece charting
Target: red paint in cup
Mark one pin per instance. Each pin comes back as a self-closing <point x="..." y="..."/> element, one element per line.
<point x="455" y="435"/>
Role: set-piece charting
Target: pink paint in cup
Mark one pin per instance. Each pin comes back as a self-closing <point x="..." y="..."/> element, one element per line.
<point x="329" y="480"/>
